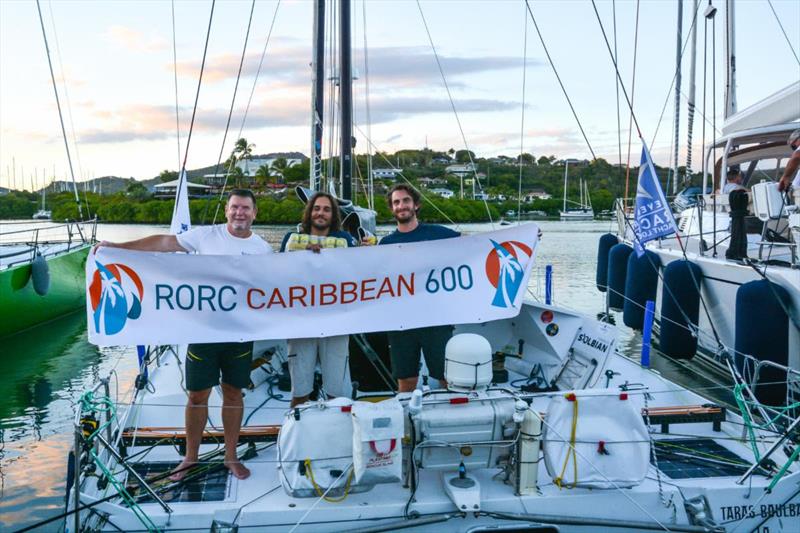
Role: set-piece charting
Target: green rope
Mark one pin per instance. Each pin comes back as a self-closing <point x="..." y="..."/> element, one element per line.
<point x="90" y="404"/>
<point x="750" y="424"/>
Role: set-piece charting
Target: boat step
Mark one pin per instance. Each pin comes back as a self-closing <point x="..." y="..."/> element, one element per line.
<point x="686" y="414"/>
<point x="155" y="436"/>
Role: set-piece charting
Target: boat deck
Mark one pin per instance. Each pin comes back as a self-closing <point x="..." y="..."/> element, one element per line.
<point x="261" y="501"/>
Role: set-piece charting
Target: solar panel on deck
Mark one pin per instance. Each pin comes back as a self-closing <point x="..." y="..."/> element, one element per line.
<point x="697" y="458"/>
<point x="209" y="488"/>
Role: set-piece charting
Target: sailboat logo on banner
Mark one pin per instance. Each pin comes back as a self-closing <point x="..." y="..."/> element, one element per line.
<point x="505" y="268"/>
<point x="116" y="294"/>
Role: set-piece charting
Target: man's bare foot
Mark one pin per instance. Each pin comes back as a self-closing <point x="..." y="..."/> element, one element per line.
<point x="181" y="470"/>
<point x="238" y="470"/>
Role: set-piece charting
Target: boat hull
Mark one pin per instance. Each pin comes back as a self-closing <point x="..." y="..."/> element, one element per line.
<point x="721" y="281"/>
<point x="22" y="308"/>
<point x="577" y="215"/>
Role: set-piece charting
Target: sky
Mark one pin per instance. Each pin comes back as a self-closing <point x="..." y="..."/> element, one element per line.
<point x="115" y="73"/>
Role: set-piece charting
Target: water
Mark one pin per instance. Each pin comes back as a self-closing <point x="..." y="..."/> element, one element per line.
<point x="44" y="370"/>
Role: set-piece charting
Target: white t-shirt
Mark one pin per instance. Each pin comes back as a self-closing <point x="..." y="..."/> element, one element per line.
<point x="796" y="181"/>
<point x="730" y="187"/>
<point x="217" y="240"/>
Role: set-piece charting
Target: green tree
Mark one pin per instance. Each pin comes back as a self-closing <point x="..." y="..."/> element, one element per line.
<point x="168" y="175"/>
<point x="527" y="159"/>
<point x="243" y="150"/>
<point x="262" y="176"/>
<point x="465" y="156"/>
<point x="279" y="167"/>
<point x="137" y="190"/>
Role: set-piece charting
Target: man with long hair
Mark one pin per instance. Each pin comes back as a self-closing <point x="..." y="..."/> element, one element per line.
<point x="320" y="228"/>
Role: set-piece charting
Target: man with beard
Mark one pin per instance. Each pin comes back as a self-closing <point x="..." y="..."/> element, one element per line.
<point x="404" y="346"/>
<point x="320" y="228"/>
<point x="205" y="362"/>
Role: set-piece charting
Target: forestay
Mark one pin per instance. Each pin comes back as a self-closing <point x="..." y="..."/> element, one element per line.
<point x="157" y="298"/>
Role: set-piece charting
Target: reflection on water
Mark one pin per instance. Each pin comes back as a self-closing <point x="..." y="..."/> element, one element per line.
<point x="44" y="370"/>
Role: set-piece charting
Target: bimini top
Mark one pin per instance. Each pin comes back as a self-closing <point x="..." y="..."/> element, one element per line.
<point x="783" y="107"/>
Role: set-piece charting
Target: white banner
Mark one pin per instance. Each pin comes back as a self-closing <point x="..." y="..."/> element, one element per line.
<point x="158" y="298"/>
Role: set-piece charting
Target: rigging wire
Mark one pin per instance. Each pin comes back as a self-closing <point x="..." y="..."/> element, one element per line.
<point x="233" y="103"/>
<point x="400" y="173"/>
<point x="616" y="85"/>
<point x="197" y="93"/>
<point x="247" y="107"/>
<point x="60" y="114"/>
<point x="674" y="77"/>
<point x="633" y="93"/>
<point x="522" y="119"/>
<point x="453" y="107"/>
<point x="68" y="105"/>
<point x="175" y="76"/>
<point x="371" y="188"/>
<point x="788" y="41"/>
<point x="558" y="77"/>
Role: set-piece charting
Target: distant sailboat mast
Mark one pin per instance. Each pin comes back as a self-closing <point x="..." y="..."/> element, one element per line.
<point x="566" y="169"/>
<point x="730" y="56"/>
<point x="677" y="98"/>
<point x="346" y="101"/>
<point x="318" y="67"/>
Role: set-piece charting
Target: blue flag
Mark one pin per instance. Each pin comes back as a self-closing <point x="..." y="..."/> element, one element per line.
<point x="653" y="217"/>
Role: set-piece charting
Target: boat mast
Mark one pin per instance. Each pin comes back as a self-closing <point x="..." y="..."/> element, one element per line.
<point x="346" y="100"/>
<point x="317" y="95"/>
<point x="730" y="63"/>
<point x="677" y="98"/>
<point x="566" y="168"/>
<point x="690" y="100"/>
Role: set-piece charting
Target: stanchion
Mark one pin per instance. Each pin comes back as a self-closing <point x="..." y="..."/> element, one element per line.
<point x="649" y="313"/>
<point x="548" y="284"/>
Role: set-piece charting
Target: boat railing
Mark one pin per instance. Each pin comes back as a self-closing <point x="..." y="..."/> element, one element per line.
<point x="763" y="375"/>
<point x="49" y="239"/>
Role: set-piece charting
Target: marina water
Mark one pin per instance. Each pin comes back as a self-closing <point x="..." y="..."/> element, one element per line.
<point x="44" y="370"/>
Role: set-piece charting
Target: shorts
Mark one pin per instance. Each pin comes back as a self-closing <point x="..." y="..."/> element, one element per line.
<point x="404" y="347"/>
<point x="205" y="362"/>
<point x="334" y="360"/>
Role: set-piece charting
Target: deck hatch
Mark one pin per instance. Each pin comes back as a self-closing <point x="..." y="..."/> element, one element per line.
<point x="697" y="458"/>
<point x="210" y="488"/>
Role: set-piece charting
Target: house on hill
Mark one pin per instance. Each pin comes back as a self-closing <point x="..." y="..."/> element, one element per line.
<point x="250" y="166"/>
<point x="386" y="173"/>
<point x="460" y="170"/>
<point x="536" y="194"/>
<point x="444" y="193"/>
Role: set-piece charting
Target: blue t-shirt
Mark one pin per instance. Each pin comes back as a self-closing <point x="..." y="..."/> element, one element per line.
<point x="337" y="234"/>
<point x="423" y="232"/>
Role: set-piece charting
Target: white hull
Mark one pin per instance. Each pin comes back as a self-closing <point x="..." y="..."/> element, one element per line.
<point x="260" y="502"/>
<point x="578" y="214"/>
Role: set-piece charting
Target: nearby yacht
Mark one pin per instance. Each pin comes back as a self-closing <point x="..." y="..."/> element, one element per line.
<point x="583" y="211"/>
<point x="43" y="213"/>
<point x="730" y="255"/>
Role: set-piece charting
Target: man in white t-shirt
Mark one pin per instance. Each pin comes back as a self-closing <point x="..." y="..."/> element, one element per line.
<point x="791" y="172"/>
<point x="205" y="362"/>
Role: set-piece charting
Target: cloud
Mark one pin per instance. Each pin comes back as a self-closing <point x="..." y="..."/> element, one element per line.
<point x="144" y="122"/>
<point x="399" y="67"/>
<point x="135" y="40"/>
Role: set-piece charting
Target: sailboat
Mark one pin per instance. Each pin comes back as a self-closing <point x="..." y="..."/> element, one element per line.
<point x="43" y="213"/>
<point x="567" y="435"/>
<point x="740" y="249"/>
<point x="583" y="211"/>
